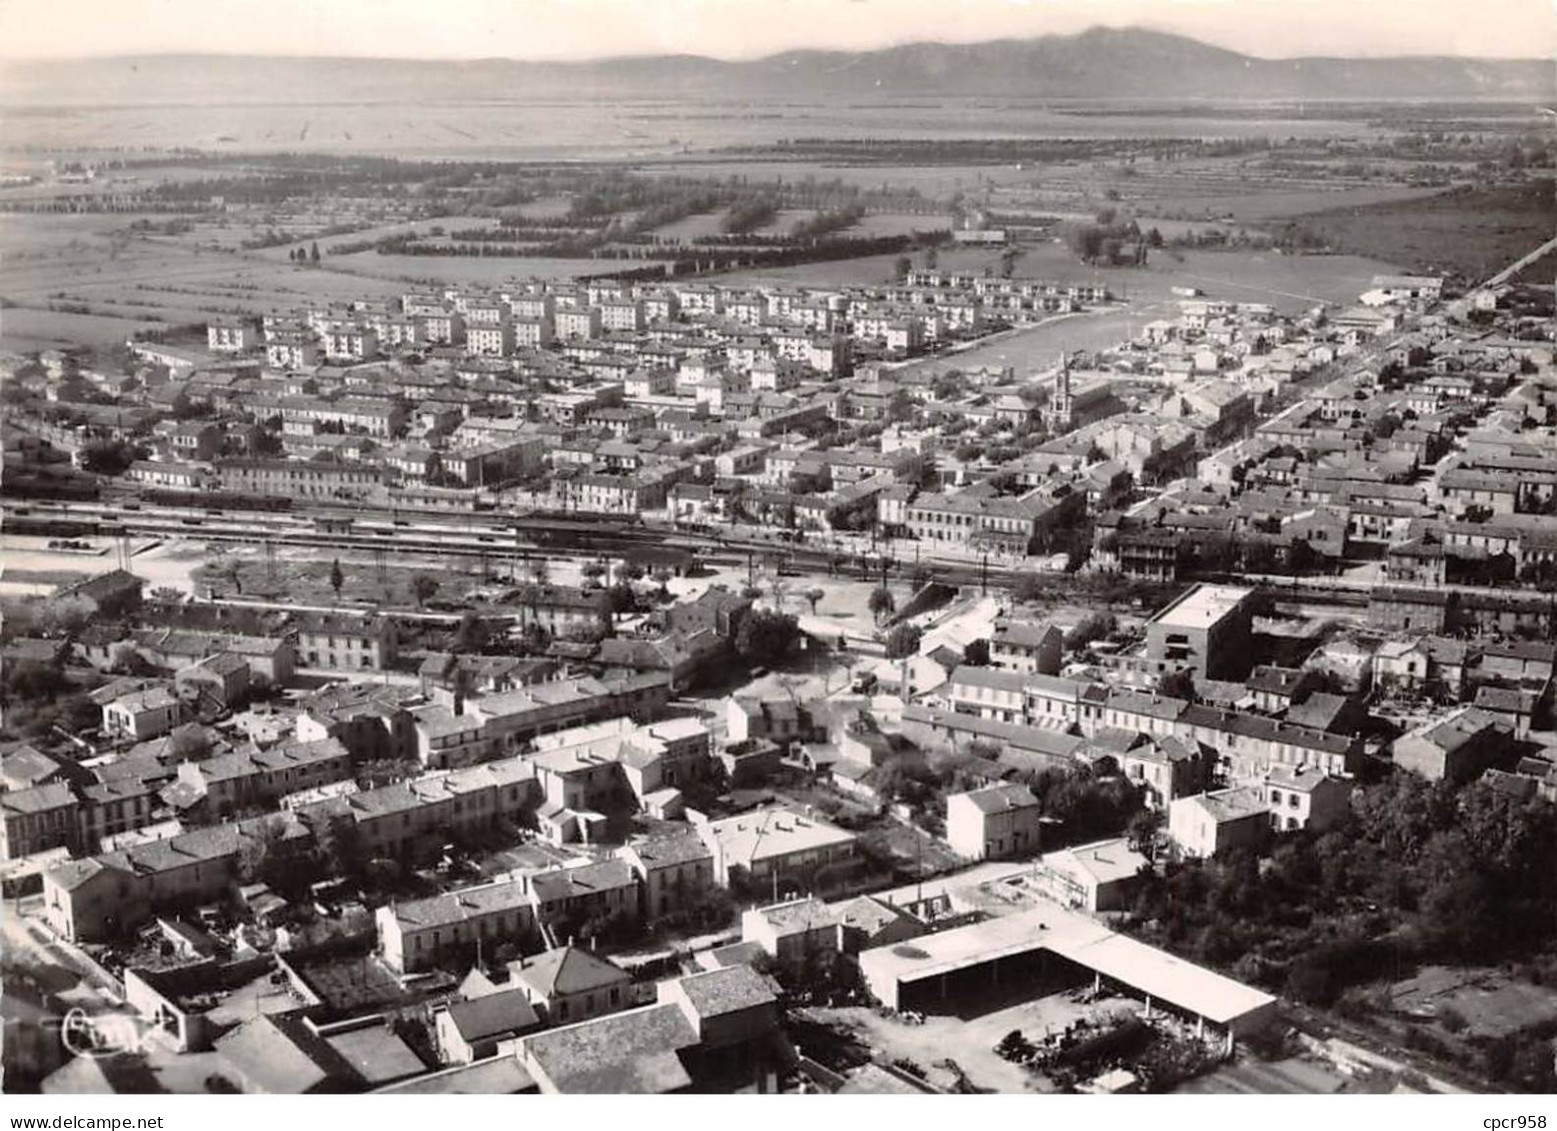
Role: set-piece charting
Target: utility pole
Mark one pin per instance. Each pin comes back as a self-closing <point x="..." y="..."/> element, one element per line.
<point x="918" y="867"/>
<point x="984" y="575"/>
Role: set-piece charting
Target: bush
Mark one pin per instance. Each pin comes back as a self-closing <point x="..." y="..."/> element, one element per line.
<point x="1015" y="1047"/>
<point x="1452" y="1019"/>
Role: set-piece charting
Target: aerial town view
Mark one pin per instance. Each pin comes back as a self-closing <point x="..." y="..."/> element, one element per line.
<point x="1019" y="558"/>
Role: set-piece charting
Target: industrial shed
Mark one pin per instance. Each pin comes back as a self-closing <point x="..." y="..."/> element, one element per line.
<point x="1060" y="948"/>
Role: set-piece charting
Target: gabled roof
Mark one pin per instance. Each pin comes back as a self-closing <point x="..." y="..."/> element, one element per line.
<point x="493" y="1014"/>
<point x="633" y="1052"/>
<point x="567" y="970"/>
<point x="1001" y="798"/>
<point x="1320" y="711"/>
<point x="103" y="585"/>
<point x="277" y="1054"/>
<point x="728" y="990"/>
<point x="670" y="851"/>
<point x="28" y="764"/>
<point x="38" y="798"/>
<point x="1227" y="804"/>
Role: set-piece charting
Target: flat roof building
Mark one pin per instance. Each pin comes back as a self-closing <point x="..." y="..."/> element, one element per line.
<point x="1205" y="631"/>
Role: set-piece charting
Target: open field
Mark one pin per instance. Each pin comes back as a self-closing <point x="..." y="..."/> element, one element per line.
<point x="476" y="269"/>
<point x="1273" y="203"/>
<point x="691" y="227"/>
<point x="128" y="281"/>
<point x="898" y="224"/>
<point x="584" y="128"/>
<point x="1474" y="232"/>
<point x="931" y="181"/>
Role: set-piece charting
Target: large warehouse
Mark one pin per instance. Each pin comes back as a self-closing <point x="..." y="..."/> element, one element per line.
<point x="1059" y="947"/>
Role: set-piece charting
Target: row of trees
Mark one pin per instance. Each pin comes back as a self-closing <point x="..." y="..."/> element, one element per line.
<point x="748" y="215"/>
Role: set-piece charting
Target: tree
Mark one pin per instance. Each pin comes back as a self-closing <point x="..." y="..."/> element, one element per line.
<point x="1085" y="240"/>
<point x="903" y="641"/>
<point x="228" y="570"/>
<point x="1177" y="684"/>
<point x="188" y="744"/>
<point x="422" y="588"/>
<point x="472" y="635"/>
<point x="109" y="457"/>
<point x="1028" y="587"/>
<point x="1142" y="831"/>
<point x="976" y="654"/>
<point x="67" y="616"/>
<point x="593" y="571"/>
<point x="901" y="267"/>
<point x="814" y="595"/>
<point x="621" y="598"/>
<point x="258" y="851"/>
<point x="535" y="638"/>
<point x="766" y="636"/>
<point x="1094" y="626"/>
<point x="338" y="844"/>
<point x="882" y="603"/>
<point x="337" y="578"/>
<point x="313" y="253"/>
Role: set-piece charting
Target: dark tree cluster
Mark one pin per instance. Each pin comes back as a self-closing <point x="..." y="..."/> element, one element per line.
<point x="1418" y="872"/>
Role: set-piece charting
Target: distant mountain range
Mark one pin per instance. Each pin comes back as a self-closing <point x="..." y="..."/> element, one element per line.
<point x="1101" y="63"/>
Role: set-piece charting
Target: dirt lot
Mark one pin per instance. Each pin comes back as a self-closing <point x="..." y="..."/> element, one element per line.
<point x="1492" y="1004"/>
<point x="971" y="1041"/>
<point x="33" y="569"/>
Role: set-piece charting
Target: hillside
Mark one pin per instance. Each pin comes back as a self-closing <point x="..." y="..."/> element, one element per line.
<point x="1100" y="63"/>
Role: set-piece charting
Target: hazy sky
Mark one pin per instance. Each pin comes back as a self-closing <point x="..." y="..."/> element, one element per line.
<point x="572" y="29"/>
